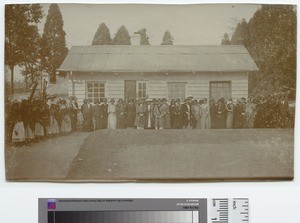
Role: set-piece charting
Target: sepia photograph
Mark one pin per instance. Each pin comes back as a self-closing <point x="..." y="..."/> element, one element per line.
<point x="149" y="92"/>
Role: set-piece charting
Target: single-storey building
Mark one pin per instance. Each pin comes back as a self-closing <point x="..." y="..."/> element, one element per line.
<point x="150" y="71"/>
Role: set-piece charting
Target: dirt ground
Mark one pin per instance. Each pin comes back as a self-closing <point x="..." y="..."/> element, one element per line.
<point x="151" y="155"/>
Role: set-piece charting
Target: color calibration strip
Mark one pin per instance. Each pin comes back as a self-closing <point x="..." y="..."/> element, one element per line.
<point x="123" y="216"/>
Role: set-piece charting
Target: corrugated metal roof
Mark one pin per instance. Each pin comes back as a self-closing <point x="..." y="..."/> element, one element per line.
<point x="158" y="58"/>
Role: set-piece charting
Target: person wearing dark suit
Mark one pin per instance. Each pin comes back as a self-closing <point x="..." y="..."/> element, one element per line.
<point x="97" y="114"/>
<point x="213" y="113"/>
<point x="221" y="114"/>
<point x="121" y="114"/>
<point x="87" y="113"/>
<point x="177" y="115"/>
<point x="73" y="112"/>
<point x="130" y="113"/>
<point x="103" y="114"/>
<point x="172" y="108"/>
<point x="186" y="113"/>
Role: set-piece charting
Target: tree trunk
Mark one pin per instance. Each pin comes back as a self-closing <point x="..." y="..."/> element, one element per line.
<point x="11" y="80"/>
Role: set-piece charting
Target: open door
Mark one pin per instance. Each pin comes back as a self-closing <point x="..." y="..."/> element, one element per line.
<point x="130" y="89"/>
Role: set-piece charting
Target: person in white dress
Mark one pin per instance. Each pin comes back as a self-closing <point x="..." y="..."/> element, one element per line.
<point x="65" y="126"/>
<point x="205" y="115"/>
<point x="18" y="134"/>
<point x="112" y="115"/>
<point x="52" y="128"/>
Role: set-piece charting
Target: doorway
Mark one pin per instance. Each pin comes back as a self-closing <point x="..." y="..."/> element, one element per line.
<point x="130" y="89"/>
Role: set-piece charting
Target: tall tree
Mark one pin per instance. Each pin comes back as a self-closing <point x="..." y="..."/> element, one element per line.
<point x="167" y="39"/>
<point x="241" y="34"/>
<point x="225" y="40"/>
<point x="102" y="36"/>
<point x="31" y="66"/>
<point x="54" y="48"/>
<point x="20" y="25"/>
<point x="272" y="36"/>
<point x="144" y="37"/>
<point x="122" y="37"/>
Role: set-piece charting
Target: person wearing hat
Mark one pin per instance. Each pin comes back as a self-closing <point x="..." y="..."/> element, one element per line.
<point x="205" y="115"/>
<point x="221" y="114"/>
<point x="195" y="114"/>
<point x="87" y="113"/>
<point x="172" y="110"/>
<point x="178" y="115"/>
<point x="121" y="114"/>
<point x="165" y="109"/>
<point x="103" y="113"/>
<point x="158" y="115"/>
<point x="97" y="114"/>
<point x="52" y="128"/>
<point x="230" y="109"/>
<point x="239" y="114"/>
<point x="73" y="112"/>
<point x="186" y="113"/>
<point x="149" y="114"/>
<point x="112" y="115"/>
<point x="250" y="113"/>
<point x="140" y="114"/>
<point x="18" y="131"/>
<point x="212" y="113"/>
<point x="130" y="113"/>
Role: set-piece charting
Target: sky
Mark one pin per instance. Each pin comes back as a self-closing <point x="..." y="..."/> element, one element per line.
<point x="189" y="24"/>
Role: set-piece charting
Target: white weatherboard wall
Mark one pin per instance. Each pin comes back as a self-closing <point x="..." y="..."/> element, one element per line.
<point x="197" y="84"/>
<point x="114" y="89"/>
<point x="79" y="89"/>
<point x="157" y="89"/>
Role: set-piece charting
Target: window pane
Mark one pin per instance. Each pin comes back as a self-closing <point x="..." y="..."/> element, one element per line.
<point x="94" y="90"/>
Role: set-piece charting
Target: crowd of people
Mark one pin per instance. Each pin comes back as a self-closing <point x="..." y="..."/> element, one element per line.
<point x="32" y="120"/>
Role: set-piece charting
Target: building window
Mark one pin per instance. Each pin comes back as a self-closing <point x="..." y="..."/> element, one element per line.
<point x="141" y="89"/>
<point x="220" y="89"/>
<point x="95" y="90"/>
<point x="176" y="90"/>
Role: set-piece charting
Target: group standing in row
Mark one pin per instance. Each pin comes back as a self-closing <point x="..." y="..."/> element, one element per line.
<point x="34" y="119"/>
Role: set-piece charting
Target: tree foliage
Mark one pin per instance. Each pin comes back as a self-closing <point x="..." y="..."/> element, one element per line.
<point x="53" y="43"/>
<point x="21" y="35"/>
<point x="144" y="37"/>
<point x="167" y="38"/>
<point x="225" y="40"/>
<point x="102" y="36"/>
<point x="122" y="37"/>
<point x="241" y="34"/>
<point x="270" y="38"/>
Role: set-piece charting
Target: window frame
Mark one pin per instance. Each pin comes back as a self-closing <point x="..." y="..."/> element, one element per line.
<point x="181" y="90"/>
<point x="101" y="94"/>
<point x="218" y="91"/>
<point x="143" y="90"/>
